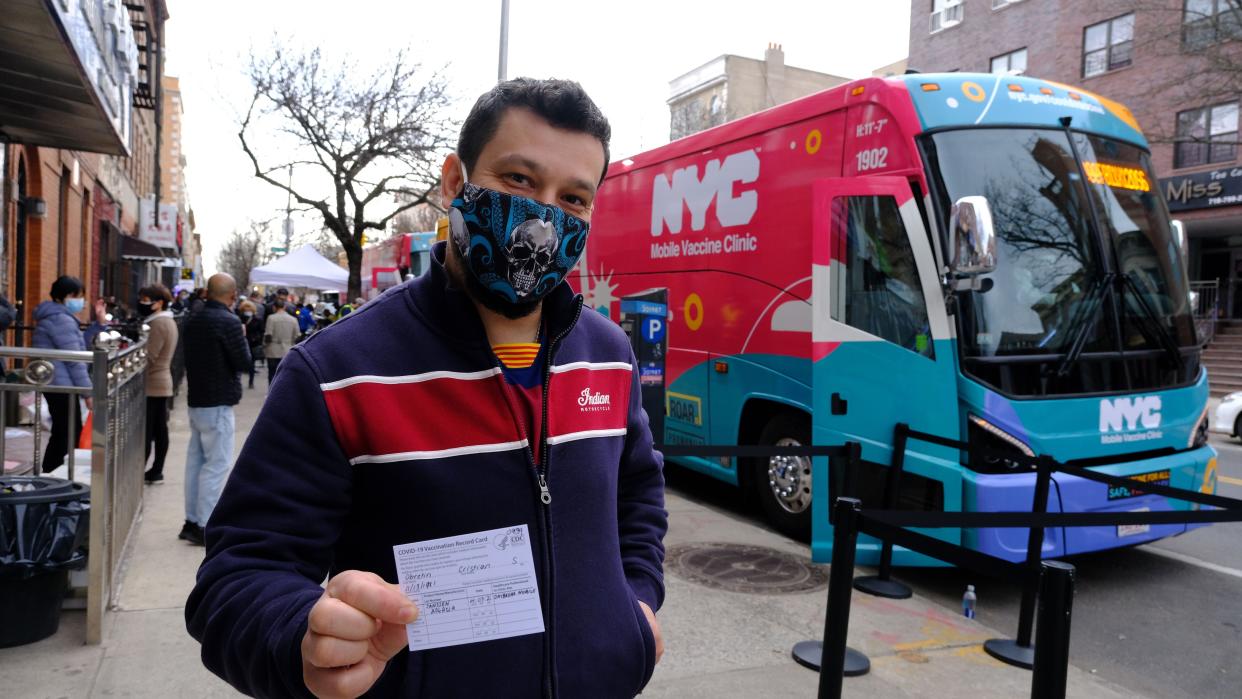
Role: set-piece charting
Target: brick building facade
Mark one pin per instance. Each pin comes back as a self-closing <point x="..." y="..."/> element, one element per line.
<point x="78" y="148"/>
<point x="1151" y="55"/>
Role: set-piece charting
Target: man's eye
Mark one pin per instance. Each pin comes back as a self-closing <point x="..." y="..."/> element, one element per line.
<point x="518" y="178"/>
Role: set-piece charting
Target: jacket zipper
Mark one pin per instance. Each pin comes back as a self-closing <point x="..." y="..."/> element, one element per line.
<point x="545" y="497"/>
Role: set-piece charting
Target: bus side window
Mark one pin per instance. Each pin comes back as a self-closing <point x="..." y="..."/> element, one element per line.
<point x="880" y="282"/>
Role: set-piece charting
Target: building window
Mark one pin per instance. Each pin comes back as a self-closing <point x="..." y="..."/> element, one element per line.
<point x="1012" y="62"/>
<point x="1205" y="22"/>
<point x="1206" y="135"/>
<point x="998" y="4"/>
<point x="945" y="14"/>
<point x="1108" y="45"/>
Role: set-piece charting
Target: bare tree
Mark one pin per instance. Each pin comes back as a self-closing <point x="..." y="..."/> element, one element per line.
<point x="420" y="219"/>
<point x="246" y="250"/>
<point x="1204" y="39"/>
<point x="366" y="139"/>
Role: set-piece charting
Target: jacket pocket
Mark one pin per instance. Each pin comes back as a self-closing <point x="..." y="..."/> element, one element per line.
<point x="647" y="637"/>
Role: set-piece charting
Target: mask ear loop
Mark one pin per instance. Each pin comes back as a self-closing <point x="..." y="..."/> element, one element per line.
<point x="465" y="180"/>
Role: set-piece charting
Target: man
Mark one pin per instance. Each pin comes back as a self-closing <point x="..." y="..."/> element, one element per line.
<point x="260" y="310"/>
<point x="446" y="408"/>
<point x="216" y="353"/>
<point x="282" y="294"/>
<point x="280" y="334"/>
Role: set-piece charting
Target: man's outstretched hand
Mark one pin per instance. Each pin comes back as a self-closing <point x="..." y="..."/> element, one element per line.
<point x="352" y="632"/>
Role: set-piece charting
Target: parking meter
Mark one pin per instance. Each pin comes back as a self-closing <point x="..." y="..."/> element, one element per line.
<point x="644" y="317"/>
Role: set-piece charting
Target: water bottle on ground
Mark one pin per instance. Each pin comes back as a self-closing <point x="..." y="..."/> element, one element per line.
<point x="968" y="602"/>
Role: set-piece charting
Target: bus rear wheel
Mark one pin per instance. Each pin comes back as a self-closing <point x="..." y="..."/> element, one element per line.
<point x="783" y="483"/>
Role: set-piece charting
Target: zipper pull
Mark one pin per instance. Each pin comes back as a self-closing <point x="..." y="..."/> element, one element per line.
<point x="544" y="496"/>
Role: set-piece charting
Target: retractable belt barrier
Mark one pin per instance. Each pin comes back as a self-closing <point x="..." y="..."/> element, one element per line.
<point x="835" y="660"/>
<point x="1051" y="581"/>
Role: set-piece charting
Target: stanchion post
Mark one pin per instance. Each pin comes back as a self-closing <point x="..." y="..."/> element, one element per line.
<point x="834" y="664"/>
<point x="831" y="657"/>
<point x="1056" y="602"/>
<point x="1019" y="652"/>
<point x="882" y="584"/>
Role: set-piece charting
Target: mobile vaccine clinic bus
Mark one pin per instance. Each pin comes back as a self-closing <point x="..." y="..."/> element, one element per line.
<point x="983" y="257"/>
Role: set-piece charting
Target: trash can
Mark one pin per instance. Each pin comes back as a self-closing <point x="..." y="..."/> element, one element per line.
<point x="44" y="529"/>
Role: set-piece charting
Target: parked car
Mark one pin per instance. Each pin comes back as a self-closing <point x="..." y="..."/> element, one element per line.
<point x="1227" y="413"/>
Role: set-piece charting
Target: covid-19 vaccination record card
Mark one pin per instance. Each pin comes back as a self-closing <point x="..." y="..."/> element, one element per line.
<point x="470" y="588"/>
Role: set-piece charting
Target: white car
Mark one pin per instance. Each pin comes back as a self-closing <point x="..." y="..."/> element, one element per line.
<point x="1226" y="418"/>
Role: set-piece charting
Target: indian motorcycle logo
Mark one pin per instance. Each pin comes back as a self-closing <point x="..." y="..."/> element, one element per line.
<point x="594" y="402"/>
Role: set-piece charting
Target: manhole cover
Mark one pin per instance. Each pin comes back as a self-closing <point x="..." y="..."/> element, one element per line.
<point x="739" y="568"/>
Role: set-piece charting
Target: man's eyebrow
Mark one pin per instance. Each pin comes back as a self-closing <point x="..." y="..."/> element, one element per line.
<point x="517" y="160"/>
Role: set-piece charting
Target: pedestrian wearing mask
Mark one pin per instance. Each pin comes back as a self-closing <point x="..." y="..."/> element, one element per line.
<point x="56" y="327"/>
<point x="477" y="397"/>
<point x="153" y="308"/>
<point x="254" y="332"/>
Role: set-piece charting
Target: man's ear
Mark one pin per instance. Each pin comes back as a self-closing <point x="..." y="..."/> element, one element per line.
<point x="450" y="180"/>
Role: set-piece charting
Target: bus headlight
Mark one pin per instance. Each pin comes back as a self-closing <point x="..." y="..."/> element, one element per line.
<point x="983" y="433"/>
<point x="1199" y="436"/>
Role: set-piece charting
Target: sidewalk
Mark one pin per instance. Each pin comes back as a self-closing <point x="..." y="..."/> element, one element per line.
<point x="718" y="643"/>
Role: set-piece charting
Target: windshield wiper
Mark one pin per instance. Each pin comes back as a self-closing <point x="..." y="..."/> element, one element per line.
<point x="1150" y="322"/>
<point x="1080" y="326"/>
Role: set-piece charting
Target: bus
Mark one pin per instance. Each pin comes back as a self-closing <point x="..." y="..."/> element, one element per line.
<point x="981" y="257"/>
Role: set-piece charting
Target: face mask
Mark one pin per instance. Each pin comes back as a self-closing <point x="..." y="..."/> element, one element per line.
<point x="248" y="314"/>
<point x="75" y="305"/>
<point x="145" y="309"/>
<point x="515" y="247"/>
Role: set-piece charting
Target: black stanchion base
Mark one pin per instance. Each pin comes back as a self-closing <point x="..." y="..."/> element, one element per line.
<point x="1008" y="651"/>
<point x="879" y="587"/>
<point x="810" y="654"/>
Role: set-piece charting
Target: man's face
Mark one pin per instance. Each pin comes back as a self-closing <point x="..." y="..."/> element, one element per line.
<point x="529" y="157"/>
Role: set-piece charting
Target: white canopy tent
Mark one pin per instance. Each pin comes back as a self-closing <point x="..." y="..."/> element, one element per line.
<point x="303" y="267"/>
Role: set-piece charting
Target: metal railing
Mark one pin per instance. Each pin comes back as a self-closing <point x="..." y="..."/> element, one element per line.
<point x="118" y="433"/>
<point x="1205" y="298"/>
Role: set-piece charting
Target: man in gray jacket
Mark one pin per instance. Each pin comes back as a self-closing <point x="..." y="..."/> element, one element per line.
<point x="279" y="335"/>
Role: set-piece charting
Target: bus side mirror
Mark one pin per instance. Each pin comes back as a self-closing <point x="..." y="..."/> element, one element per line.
<point x="972" y="237"/>
<point x="1179" y="234"/>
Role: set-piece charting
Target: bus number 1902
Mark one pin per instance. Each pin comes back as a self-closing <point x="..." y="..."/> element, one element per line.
<point x="872" y="158"/>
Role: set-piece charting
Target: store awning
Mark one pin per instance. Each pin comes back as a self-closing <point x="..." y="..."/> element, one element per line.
<point x="134" y="249"/>
<point x="57" y="89"/>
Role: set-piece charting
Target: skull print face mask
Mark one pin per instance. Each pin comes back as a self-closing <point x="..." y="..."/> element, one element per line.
<point x="515" y="247"/>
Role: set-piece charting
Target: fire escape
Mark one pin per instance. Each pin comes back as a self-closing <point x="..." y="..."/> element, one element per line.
<point x="146" y="91"/>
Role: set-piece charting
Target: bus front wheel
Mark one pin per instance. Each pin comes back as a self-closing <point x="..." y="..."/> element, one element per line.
<point x="783" y="483"/>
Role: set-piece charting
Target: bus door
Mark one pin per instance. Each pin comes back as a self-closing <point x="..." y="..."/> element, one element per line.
<point x="881" y="351"/>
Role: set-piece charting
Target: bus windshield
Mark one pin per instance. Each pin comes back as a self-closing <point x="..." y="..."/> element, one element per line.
<point x="1052" y="270"/>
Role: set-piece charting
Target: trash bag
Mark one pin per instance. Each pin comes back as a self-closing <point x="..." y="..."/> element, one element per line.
<point x="44" y="525"/>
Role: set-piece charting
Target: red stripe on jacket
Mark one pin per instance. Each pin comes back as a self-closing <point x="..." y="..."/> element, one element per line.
<point x="375" y="419"/>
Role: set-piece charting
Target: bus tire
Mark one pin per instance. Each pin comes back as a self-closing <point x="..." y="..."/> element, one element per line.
<point x="783" y="484"/>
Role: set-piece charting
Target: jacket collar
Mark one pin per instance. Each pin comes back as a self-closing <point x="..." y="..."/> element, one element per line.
<point x="212" y="303"/>
<point x="450" y="311"/>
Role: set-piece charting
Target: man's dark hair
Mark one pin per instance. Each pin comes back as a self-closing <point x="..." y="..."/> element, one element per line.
<point x="562" y="103"/>
<point x="278" y="303"/>
<point x="65" y="287"/>
<point x="157" y="292"/>
<point x="282" y="291"/>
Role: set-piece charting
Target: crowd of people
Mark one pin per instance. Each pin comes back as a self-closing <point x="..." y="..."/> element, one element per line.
<point x="222" y="336"/>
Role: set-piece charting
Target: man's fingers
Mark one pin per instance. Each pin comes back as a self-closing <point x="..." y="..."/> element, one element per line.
<point x="390" y="640"/>
<point x="369" y="593"/>
<point x="332" y="617"/>
<point x="344" y="682"/>
<point x="329" y="652"/>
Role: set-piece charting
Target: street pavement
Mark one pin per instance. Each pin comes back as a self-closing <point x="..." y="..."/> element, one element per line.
<point x="719" y="643"/>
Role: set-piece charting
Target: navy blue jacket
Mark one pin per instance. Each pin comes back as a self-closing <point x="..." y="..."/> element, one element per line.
<point x="216" y="352"/>
<point x="407" y="432"/>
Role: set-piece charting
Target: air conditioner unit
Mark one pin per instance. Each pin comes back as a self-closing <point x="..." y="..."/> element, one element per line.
<point x="948" y="16"/>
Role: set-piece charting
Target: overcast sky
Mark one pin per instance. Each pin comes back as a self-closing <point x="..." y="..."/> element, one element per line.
<point x="623" y="53"/>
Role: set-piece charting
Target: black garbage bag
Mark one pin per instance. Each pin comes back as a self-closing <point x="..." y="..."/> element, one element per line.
<point x="44" y="525"/>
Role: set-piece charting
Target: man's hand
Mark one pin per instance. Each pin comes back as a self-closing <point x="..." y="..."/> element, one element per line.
<point x="101" y="311"/>
<point x="352" y="632"/>
<point x="655" y="629"/>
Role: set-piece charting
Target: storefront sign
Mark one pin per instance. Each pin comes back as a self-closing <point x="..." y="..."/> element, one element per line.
<point x="1203" y="190"/>
<point x="162" y="232"/>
